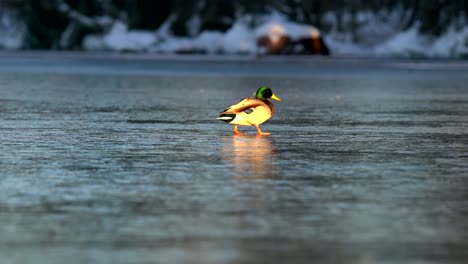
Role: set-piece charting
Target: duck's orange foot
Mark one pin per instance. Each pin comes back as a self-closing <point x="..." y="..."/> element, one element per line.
<point x="240" y="134"/>
<point x="237" y="132"/>
<point x="260" y="132"/>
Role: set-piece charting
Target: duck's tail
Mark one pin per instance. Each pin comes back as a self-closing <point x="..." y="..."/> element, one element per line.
<point x="226" y="117"/>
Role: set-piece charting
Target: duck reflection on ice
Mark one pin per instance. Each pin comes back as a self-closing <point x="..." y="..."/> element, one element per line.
<point x="252" y="157"/>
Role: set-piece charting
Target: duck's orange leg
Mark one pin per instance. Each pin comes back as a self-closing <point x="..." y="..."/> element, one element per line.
<point x="236" y="131"/>
<point x="260" y="132"/>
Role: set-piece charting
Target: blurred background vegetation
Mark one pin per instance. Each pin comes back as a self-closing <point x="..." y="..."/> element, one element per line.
<point x="62" y="24"/>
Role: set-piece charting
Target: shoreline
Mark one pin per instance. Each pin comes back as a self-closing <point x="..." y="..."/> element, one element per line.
<point x="213" y="57"/>
<point x="112" y="63"/>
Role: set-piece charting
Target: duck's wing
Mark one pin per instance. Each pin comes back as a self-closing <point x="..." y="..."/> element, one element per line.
<point x="245" y="105"/>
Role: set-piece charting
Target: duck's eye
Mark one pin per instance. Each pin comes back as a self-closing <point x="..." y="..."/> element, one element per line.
<point x="248" y="110"/>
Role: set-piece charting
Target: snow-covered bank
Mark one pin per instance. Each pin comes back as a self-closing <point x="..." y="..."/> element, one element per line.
<point x="239" y="39"/>
<point x="408" y="44"/>
<point x="452" y="44"/>
<point x="376" y="38"/>
<point x="383" y="35"/>
<point x="373" y="35"/>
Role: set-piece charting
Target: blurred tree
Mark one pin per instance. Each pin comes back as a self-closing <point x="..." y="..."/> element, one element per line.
<point x="217" y="15"/>
<point x="60" y="24"/>
<point x="44" y="24"/>
<point x="145" y="14"/>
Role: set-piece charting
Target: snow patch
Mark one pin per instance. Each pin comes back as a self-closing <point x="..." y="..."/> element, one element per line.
<point x="410" y="43"/>
<point x="239" y="39"/>
<point x="211" y="41"/>
<point x="454" y="43"/>
<point x="206" y="42"/>
<point x="12" y="30"/>
<point x="407" y="44"/>
<point x="119" y="38"/>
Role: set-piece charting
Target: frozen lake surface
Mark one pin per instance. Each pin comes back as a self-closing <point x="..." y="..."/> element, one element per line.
<point x="119" y="159"/>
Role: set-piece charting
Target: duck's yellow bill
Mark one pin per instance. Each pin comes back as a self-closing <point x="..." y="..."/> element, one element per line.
<point x="275" y="97"/>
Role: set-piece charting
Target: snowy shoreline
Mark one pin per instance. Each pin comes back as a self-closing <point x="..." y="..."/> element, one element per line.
<point x="379" y="38"/>
<point x="138" y="64"/>
<point x="144" y="56"/>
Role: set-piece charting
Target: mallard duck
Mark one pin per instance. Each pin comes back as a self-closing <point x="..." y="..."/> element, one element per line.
<point x="251" y="111"/>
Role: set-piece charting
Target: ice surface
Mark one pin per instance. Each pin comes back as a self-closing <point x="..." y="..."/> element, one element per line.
<point x="109" y="159"/>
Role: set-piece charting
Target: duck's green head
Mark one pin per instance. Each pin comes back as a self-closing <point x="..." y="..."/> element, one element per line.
<point x="265" y="92"/>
